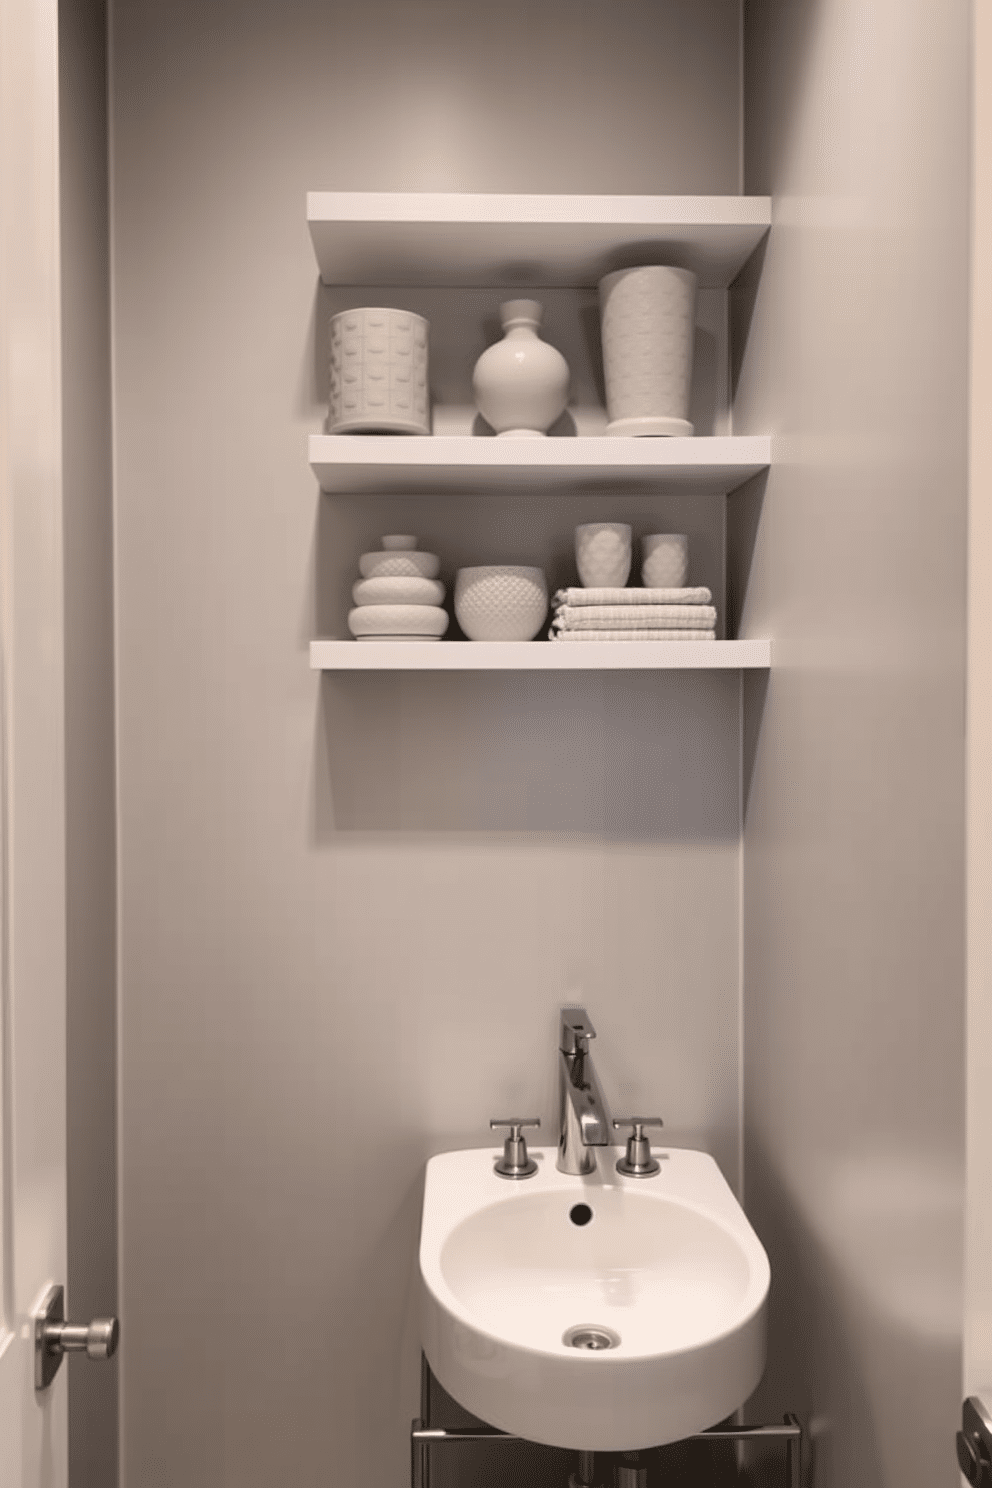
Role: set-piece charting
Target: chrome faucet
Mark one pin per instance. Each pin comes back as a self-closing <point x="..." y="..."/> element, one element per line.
<point x="583" y="1122"/>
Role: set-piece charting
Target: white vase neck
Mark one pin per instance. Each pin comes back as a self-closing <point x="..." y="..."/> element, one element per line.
<point x="520" y="315"/>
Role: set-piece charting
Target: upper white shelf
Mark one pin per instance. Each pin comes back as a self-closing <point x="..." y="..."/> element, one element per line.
<point x="453" y="238"/>
<point x="378" y="464"/>
<point x="538" y="656"/>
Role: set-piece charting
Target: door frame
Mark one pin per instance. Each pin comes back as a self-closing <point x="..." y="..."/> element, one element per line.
<point x="977" y="1364"/>
<point x="33" y="1426"/>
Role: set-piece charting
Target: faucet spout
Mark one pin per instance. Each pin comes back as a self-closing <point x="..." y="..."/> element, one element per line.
<point x="583" y="1121"/>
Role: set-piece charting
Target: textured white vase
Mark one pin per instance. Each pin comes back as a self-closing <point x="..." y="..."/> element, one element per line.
<point x="521" y="383"/>
<point x="666" y="560"/>
<point x="648" y="329"/>
<point x="602" y="554"/>
<point x="378" y="373"/>
<point x="501" y="602"/>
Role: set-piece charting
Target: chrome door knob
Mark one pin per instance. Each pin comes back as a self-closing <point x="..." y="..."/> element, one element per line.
<point x="53" y="1337"/>
<point x="98" y="1341"/>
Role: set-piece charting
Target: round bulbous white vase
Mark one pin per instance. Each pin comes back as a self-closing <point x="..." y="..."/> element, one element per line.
<point x="521" y="383"/>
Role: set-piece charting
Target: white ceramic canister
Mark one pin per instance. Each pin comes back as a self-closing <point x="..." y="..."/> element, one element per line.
<point x="379" y="373"/>
<point x="648" y="328"/>
<point x="521" y="383"/>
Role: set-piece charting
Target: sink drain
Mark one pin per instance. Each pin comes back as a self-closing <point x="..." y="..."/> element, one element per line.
<point x="587" y="1336"/>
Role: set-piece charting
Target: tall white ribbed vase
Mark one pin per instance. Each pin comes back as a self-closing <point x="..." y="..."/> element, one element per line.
<point x="521" y="383"/>
<point x="648" y="326"/>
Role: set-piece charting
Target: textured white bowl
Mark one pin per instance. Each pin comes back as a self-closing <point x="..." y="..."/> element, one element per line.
<point x="378" y="373"/>
<point x="602" y="554"/>
<point x="648" y="329"/>
<point x="398" y="591"/>
<point x="666" y="560"/>
<point x="424" y="621"/>
<point x="501" y="602"/>
<point x="408" y="565"/>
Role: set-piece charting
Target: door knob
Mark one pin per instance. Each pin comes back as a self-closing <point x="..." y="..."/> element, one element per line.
<point x="974" y="1443"/>
<point x="53" y="1337"/>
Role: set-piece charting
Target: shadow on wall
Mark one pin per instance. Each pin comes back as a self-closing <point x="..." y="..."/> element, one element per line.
<point x="744" y="508"/>
<point x="857" y="1302"/>
<point x="777" y="28"/>
<point x="742" y="300"/>
<point x="755" y="686"/>
<point x="638" y="755"/>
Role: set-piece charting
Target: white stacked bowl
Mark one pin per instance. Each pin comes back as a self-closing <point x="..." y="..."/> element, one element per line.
<point x="398" y="597"/>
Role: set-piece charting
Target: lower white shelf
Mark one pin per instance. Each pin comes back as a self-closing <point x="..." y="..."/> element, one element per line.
<point x="537" y="656"/>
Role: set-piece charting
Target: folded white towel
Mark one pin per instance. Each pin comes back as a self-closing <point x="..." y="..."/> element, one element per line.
<point x="635" y="617"/>
<point x="632" y="596"/>
<point x="631" y="635"/>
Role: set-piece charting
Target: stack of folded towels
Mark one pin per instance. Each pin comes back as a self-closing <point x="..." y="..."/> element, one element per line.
<point x="633" y="615"/>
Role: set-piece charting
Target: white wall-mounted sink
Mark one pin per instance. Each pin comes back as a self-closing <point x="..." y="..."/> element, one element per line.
<point x="666" y="1274"/>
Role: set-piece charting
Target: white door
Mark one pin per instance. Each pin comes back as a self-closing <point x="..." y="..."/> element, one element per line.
<point x="32" y="833"/>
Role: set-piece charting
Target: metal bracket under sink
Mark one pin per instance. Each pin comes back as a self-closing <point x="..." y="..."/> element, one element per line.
<point x="424" y="1438"/>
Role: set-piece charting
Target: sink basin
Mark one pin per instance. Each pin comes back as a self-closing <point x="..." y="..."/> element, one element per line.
<point x="601" y="1313"/>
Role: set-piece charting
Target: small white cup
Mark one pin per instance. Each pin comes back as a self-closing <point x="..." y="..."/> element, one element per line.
<point x="666" y="560"/>
<point x="602" y="554"/>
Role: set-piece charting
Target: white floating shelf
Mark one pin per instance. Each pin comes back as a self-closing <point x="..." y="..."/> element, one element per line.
<point x="378" y="464"/>
<point x="407" y="238"/>
<point x="537" y="656"/>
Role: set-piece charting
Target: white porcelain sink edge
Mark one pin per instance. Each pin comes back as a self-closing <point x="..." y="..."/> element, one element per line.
<point x="669" y="1265"/>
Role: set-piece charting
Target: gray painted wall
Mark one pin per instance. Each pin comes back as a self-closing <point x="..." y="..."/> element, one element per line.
<point x="91" y="915"/>
<point x="351" y="908"/>
<point x="856" y="357"/>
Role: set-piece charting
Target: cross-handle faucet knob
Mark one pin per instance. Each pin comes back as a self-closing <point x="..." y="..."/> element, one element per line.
<point x="638" y="1162"/>
<point x="515" y="1162"/>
